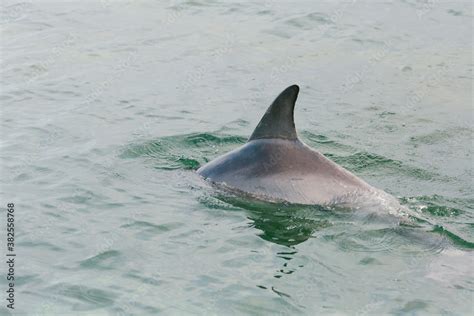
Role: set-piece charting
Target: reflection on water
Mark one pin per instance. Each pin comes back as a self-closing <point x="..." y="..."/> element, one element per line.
<point x="282" y="224"/>
<point x="290" y="225"/>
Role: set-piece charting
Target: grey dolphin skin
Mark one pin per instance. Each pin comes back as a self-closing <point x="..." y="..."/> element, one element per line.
<point x="275" y="166"/>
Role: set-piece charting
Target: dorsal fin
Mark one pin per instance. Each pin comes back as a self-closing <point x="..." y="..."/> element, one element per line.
<point x="278" y="121"/>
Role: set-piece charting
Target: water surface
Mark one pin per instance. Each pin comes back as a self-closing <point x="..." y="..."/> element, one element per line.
<point x="109" y="107"/>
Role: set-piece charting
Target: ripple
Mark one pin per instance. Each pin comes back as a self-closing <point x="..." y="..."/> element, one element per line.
<point x="438" y="205"/>
<point x="455" y="12"/>
<point x="151" y="226"/>
<point x="190" y="151"/>
<point x="103" y="260"/>
<point x="364" y="162"/>
<point x="309" y="21"/>
<point x="413" y="307"/>
<point x="441" y="136"/>
<point x="40" y="244"/>
<point x="89" y="298"/>
<point x="15" y="12"/>
<point x="212" y="202"/>
<point x="183" y="151"/>
<point x="369" y="261"/>
<point x="147" y="230"/>
<point x="442" y="212"/>
<point x="136" y="275"/>
<point x="458" y="240"/>
<point x="27" y="278"/>
<point x="373" y="163"/>
<point x="402" y="241"/>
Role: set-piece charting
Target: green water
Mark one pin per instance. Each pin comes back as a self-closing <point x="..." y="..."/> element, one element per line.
<point x="108" y="108"/>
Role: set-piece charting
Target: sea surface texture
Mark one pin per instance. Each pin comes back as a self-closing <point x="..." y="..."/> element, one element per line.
<point x="109" y="107"/>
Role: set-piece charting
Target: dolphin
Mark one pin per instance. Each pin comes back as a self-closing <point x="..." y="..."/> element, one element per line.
<point x="276" y="166"/>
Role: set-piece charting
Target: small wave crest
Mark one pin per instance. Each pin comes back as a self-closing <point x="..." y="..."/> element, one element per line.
<point x="186" y="152"/>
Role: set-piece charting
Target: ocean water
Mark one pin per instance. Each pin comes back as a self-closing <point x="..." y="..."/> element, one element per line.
<point x="109" y="107"/>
